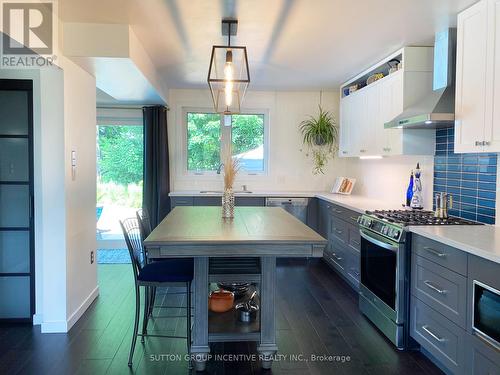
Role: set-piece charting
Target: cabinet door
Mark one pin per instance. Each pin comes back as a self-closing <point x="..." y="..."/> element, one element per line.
<point x="395" y="96"/>
<point x="370" y="121"/>
<point x="345" y="126"/>
<point x="470" y="111"/>
<point x="492" y="125"/>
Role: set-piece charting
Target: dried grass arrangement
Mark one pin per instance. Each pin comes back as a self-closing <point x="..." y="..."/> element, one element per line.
<point x="231" y="169"/>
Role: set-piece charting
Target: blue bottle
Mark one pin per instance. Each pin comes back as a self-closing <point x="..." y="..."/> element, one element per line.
<point x="409" y="191"/>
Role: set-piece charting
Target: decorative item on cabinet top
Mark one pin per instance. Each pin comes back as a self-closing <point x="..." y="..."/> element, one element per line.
<point x="364" y="112"/>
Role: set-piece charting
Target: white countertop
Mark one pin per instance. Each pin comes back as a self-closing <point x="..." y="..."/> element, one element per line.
<point x="353" y="202"/>
<point x="480" y="240"/>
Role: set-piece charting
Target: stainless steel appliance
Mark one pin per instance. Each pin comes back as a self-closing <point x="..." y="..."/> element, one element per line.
<point x="296" y="206"/>
<point x="385" y="267"/>
<point x="437" y="108"/>
<point x="486" y="313"/>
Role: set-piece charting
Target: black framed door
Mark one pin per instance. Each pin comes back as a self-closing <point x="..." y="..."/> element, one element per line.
<point x="17" y="282"/>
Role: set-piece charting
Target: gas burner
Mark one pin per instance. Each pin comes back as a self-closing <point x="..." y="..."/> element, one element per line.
<point x="417" y="217"/>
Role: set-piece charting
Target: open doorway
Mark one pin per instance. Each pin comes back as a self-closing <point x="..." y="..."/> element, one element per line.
<point x="120" y="163"/>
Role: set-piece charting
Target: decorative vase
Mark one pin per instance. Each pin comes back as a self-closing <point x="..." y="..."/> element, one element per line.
<point x="228" y="203"/>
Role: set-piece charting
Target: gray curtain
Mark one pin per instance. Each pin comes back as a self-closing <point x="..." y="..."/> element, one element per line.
<point x="156" y="164"/>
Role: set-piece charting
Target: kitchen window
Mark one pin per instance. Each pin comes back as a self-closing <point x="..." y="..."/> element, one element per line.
<point x="209" y="136"/>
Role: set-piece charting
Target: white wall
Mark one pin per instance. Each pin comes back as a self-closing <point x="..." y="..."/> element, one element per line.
<point x="80" y="136"/>
<point x="289" y="169"/>
<point x="387" y="179"/>
<point x="63" y="119"/>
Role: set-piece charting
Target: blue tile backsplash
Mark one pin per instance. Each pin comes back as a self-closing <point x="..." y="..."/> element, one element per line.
<point x="470" y="178"/>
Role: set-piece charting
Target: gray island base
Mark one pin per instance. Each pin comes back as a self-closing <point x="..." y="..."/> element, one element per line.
<point x="258" y="233"/>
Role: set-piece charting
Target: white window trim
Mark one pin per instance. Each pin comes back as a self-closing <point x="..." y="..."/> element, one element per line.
<point x="225" y="134"/>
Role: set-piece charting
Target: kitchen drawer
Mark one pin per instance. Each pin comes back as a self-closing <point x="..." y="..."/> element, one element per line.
<point x="338" y="230"/>
<point x="440" y="337"/>
<point x="352" y="267"/>
<point x="353" y="237"/>
<point x="181" y="201"/>
<point x="250" y="201"/>
<point x="337" y="256"/>
<point x="443" y="290"/>
<point x="441" y="254"/>
<point x="343" y="213"/>
<point x="207" y="201"/>
<point x="482" y="358"/>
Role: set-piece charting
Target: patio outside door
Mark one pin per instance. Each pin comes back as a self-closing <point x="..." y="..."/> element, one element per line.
<point x="16" y="201"/>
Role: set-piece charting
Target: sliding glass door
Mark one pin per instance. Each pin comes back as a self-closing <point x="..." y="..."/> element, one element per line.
<point x="16" y="203"/>
<point x="120" y="159"/>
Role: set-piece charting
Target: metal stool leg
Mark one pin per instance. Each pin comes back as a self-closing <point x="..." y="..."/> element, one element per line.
<point x="146" y="312"/>
<point x="152" y="301"/>
<point x="188" y="319"/>
<point x="136" y="324"/>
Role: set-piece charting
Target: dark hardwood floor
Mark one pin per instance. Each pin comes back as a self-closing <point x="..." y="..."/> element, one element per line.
<point x="317" y="315"/>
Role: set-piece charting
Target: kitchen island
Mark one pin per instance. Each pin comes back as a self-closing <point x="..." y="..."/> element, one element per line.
<point x="254" y="232"/>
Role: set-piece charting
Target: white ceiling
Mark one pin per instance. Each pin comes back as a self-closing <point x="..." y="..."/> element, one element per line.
<point x="292" y="44"/>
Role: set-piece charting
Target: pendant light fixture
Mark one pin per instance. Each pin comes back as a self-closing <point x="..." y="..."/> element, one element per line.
<point x="228" y="74"/>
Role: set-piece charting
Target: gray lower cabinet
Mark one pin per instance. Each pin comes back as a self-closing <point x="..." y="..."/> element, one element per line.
<point x="342" y="231"/>
<point x="442" y="285"/>
<point x="215" y="201"/>
<point x="443" y="289"/>
<point x="181" y="201"/>
<point x="438" y="336"/>
<point x="482" y="358"/>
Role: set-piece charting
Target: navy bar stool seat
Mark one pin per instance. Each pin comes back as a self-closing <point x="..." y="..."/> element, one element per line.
<point x="180" y="270"/>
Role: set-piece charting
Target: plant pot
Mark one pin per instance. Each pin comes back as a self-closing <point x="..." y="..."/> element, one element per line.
<point x="319" y="140"/>
<point x="228" y="204"/>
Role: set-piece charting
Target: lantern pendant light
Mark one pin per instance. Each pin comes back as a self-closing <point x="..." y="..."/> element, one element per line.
<point x="228" y="74"/>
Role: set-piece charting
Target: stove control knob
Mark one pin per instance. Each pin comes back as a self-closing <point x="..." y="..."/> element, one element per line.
<point x="396" y="234"/>
<point x="385" y="230"/>
<point x="389" y="232"/>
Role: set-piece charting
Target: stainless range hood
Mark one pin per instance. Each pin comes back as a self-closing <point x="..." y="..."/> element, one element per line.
<point x="437" y="109"/>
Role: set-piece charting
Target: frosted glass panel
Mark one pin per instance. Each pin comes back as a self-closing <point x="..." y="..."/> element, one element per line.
<point x="14" y="206"/>
<point x="15" y="294"/>
<point x="14" y="165"/>
<point x="13" y="112"/>
<point x="14" y="252"/>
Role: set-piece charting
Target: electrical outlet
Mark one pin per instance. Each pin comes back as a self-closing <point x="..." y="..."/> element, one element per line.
<point x="92" y="257"/>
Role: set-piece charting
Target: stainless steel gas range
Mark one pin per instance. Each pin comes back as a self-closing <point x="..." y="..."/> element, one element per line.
<point x="385" y="268"/>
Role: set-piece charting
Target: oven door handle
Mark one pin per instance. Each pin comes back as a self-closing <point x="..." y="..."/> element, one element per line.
<point x="379" y="242"/>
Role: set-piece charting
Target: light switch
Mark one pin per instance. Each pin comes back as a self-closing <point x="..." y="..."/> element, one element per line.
<point x="73" y="165"/>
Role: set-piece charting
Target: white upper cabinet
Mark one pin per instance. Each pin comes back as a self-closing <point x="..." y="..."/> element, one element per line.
<point x="477" y="102"/>
<point x="364" y="112"/>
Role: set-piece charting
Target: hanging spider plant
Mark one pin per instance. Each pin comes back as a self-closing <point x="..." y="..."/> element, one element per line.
<point x="320" y="136"/>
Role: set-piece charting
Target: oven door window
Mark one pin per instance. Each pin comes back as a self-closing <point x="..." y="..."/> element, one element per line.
<point x="487" y="311"/>
<point x="378" y="271"/>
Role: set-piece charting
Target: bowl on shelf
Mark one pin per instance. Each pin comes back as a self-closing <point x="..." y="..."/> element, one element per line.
<point x="220" y="300"/>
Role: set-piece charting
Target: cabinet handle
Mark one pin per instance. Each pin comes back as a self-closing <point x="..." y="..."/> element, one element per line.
<point x="434" y="252"/>
<point x="486" y="143"/>
<point x="355" y="271"/>
<point x="432" y="334"/>
<point x="477" y="143"/>
<point x="353" y="218"/>
<point x="338" y="231"/>
<point x="362" y="150"/>
<point x="344" y="152"/>
<point x="337" y="257"/>
<point x="433" y="287"/>
<point x="338" y="211"/>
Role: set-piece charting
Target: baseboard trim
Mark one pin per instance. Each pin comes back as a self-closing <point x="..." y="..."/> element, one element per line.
<point x="54" y="326"/>
<point x="37" y="319"/>
<point x="77" y="314"/>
